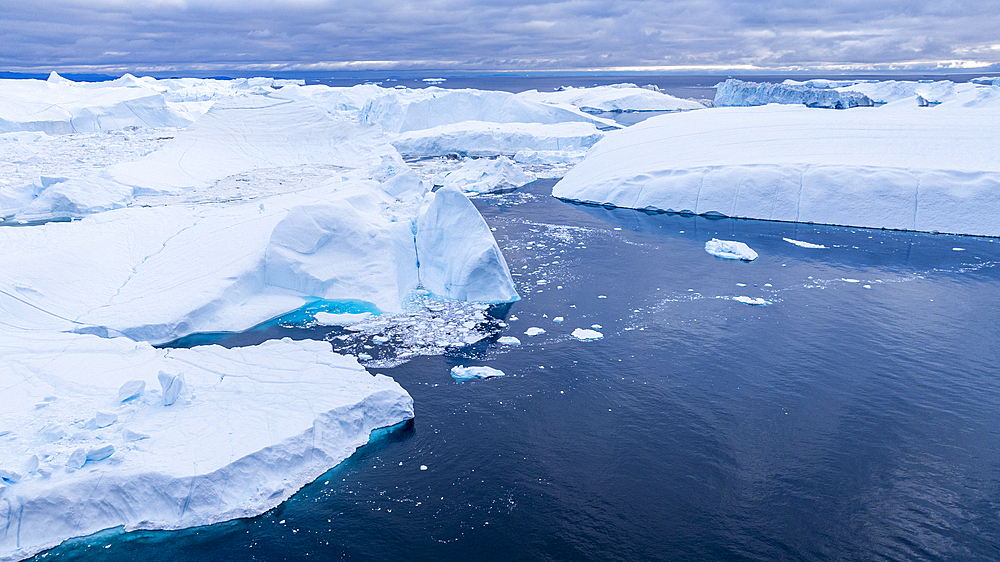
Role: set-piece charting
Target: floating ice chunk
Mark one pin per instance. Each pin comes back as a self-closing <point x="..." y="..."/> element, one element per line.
<point x="867" y="286"/>
<point x="364" y="357"/>
<point x="343" y="319"/>
<point x="958" y="249"/>
<point x="534" y="331"/>
<point x="557" y="319"/>
<point x="602" y="296"/>
<point x="802" y="244"/>
<point x="100" y="453"/>
<point x="172" y="386"/>
<point x="730" y="250"/>
<point x="104" y="419"/>
<point x="751" y="301"/>
<point x="462" y="373"/>
<point x="596" y="326"/>
<point x="587" y="335"/>
<point x="423" y="467"/>
<point x="380" y="339"/>
<point x="131" y="389"/>
<point x="508" y="340"/>
<point x="846" y="280"/>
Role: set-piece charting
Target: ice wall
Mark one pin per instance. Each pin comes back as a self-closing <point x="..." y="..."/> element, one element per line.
<point x="734" y="92"/>
<point x="897" y="166"/>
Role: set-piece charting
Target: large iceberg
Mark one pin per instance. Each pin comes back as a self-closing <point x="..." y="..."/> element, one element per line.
<point x="613" y="98"/>
<point x="89" y="442"/>
<point x="898" y="166"/>
<point x="735" y="92"/>
<point x="476" y="138"/>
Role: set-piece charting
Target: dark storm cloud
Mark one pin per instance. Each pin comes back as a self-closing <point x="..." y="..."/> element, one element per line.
<point x="486" y="34"/>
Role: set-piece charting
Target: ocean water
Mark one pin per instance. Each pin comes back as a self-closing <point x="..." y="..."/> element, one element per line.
<point x="854" y="417"/>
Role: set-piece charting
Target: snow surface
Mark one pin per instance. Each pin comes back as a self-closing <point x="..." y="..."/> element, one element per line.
<point x="730" y="250"/>
<point x="461" y="373"/>
<point x="613" y="98"/>
<point x="249" y="427"/>
<point x="897" y="166"/>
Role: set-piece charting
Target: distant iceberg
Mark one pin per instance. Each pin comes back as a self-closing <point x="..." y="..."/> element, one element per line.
<point x="735" y="92"/>
<point x="730" y="250"/>
<point x="462" y="373"/>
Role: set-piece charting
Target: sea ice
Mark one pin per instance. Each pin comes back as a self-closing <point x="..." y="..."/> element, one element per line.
<point x="508" y="340"/>
<point x="534" y="331"/>
<point x="485" y="175"/>
<point x="584" y="334"/>
<point x="477" y="138"/>
<point x="341" y="319"/>
<point x="462" y="373"/>
<point x="730" y="250"/>
<point x="751" y="301"/>
<point x="802" y="244"/>
<point x="613" y="98"/>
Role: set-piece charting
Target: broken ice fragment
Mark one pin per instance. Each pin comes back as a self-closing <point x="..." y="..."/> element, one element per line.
<point x="131" y="389"/>
<point x="534" y="331"/>
<point x="77" y="459"/>
<point x="557" y="319"/>
<point x="751" y="301"/>
<point x="172" y="386"/>
<point x="462" y="373"/>
<point x="509" y="340"/>
<point x="587" y="335"/>
<point x="343" y="319"/>
<point x="730" y="250"/>
<point x="104" y="419"/>
<point x="802" y="244"/>
<point x="32" y="464"/>
<point x="9" y="476"/>
<point x="129" y="435"/>
<point x="100" y="453"/>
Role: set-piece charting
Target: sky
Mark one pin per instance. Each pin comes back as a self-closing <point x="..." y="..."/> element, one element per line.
<point x="117" y="36"/>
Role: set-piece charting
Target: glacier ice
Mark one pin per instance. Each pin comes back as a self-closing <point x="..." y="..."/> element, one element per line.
<point x="730" y="250"/>
<point x="259" y="423"/>
<point x="485" y="175"/>
<point x="614" y="98"/>
<point x="735" y="92"/>
<point x="461" y="373"/>
<point x="895" y="166"/>
<point x="477" y="138"/>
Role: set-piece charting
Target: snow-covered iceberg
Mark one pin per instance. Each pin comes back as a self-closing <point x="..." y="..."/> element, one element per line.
<point x="896" y="166"/>
<point x="613" y="98"/>
<point x="485" y="175"/>
<point x="89" y="444"/>
<point x="735" y="92"/>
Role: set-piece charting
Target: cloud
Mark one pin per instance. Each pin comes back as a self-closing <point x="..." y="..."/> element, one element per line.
<point x="480" y="34"/>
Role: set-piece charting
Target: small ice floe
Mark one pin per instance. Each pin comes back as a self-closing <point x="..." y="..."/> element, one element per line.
<point x="602" y="296"/>
<point x="587" y="335"/>
<point x="364" y="357"/>
<point x="596" y="326"/>
<point x="958" y="249"/>
<point x="730" y="250"/>
<point x="533" y="331"/>
<point x="802" y="244"/>
<point x="462" y="373"/>
<point x="867" y="286"/>
<point x="423" y="467"/>
<point x="380" y="339"/>
<point x="741" y="284"/>
<point x="752" y="301"/>
<point x="768" y="285"/>
<point x="846" y="280"/>
<point x="557" y="319"/>
<point x="343" y="319"/>
<point x="509" y="340"/>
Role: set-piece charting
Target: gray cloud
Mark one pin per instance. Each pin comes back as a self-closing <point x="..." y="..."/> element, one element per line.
<point x="480" y="34"/>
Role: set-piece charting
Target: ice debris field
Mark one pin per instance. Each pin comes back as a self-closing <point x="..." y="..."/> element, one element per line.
<point x="139" y="211"/>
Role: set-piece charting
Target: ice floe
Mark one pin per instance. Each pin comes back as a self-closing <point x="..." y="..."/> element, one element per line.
<point x="462" y="373"/>
<point x="802" y="244"/>
<point x="752" y="301"/>
<point x="730" y="250"/>
<point x="534" y="331"/>
<point x="584" y="334"/>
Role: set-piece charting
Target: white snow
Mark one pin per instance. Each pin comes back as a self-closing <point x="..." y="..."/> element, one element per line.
<point x="802" y="244"/>
<point x="248" y="428"/>
<point x="613" y="98"/>
<point x="462" y="373"/>
<point x="584" y="334"/>
<point x="730" y="250"/>
<point x="534" y="331"/>
<point x="896" y="166"/>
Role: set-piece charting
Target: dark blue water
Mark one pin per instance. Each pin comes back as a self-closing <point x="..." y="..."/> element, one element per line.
<point x="838" y="423"/>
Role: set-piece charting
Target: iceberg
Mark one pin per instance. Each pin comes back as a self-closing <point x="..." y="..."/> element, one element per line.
<point x="896" y="166"/>
<point x="485" y="175"/>
<point x="613" y="98"/>
<point x="248" y="428"/>
<point x="476" y="138"/>
<point x="735" y="92"/>
<point x="752" y="301"/>
<point x="730" y="250"/>
<point x="461" y="373"/>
